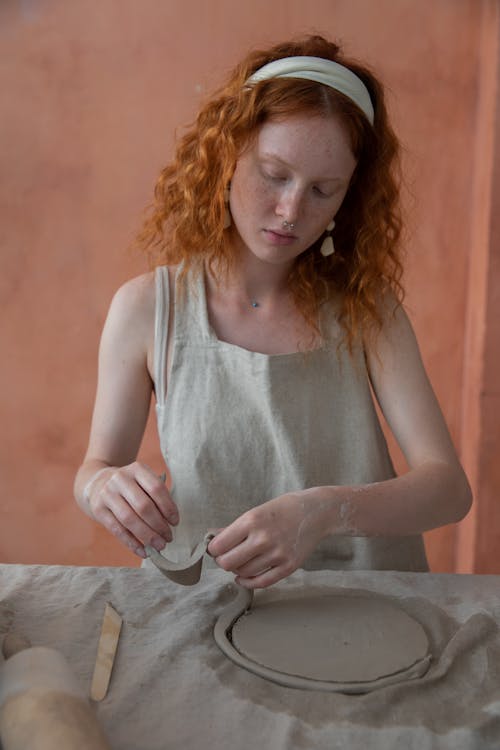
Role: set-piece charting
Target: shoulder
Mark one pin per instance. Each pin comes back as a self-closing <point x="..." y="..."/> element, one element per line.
<point x="396" y="330"/>
<point x="135" y="296"/>
<point x="393" y="355"/>
<point x="130" y="319"/>
<point x="135" y="300"/>
<point x="131" y="314"/>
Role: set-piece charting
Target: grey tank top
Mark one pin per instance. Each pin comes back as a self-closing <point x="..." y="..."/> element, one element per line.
<point x="238" y="428"/>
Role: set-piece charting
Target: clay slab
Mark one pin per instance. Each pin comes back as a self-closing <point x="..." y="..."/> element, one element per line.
<point x="342" y="641"/>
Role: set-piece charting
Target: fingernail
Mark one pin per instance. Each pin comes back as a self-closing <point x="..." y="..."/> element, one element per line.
<point x="141" y="552"/>
<point x="174" y="518"/>
<point x="158" y="544"/>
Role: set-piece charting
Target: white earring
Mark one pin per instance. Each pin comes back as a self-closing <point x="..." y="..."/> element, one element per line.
<point x="227" y="213"/>
<point x="327" y="247"/>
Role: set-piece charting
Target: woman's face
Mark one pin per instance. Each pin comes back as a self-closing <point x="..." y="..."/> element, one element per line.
<point x="296" y="170"/>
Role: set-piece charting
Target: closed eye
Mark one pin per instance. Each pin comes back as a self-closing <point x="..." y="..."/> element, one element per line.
<point x="275" y="177"/>
<point x="272" y="176"/>
<point x="320" y="192"/>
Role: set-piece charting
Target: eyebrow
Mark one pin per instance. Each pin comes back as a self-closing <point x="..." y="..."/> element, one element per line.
<point x="274" y="157"/>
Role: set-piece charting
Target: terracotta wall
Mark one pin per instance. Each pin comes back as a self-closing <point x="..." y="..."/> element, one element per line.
<point x="92" y="94"/>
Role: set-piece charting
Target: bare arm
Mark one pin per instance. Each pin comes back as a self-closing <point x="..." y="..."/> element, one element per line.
<point x="270" y="541"/>
<point x="125" y="496"/>
<point x="435" y="489"/>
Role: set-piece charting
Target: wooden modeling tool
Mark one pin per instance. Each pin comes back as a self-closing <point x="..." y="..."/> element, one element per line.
<point x="106" y="650"/>
<point x="42" y="705"/>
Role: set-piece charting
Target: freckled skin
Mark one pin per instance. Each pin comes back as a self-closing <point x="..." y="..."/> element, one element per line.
<point x="296" y="170"/>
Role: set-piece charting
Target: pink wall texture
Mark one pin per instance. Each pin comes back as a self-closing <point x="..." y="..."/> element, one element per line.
<point x="92" y="96"/>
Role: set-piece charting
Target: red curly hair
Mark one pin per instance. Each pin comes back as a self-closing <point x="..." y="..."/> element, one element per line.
<point x="185" y="223"/>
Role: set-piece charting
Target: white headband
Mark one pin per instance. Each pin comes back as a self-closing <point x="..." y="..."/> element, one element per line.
<point x="322" y="71"/>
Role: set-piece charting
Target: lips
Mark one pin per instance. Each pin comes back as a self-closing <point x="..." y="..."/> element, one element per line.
<point x="279" y="238"/>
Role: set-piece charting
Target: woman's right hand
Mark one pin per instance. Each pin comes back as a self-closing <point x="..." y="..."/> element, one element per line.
<point x="134" y="504"/>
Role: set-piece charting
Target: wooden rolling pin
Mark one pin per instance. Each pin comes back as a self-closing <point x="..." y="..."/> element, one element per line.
<point x="41" y="704"/>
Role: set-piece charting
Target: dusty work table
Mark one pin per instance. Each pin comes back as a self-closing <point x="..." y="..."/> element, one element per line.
<point x="172" y="688"/>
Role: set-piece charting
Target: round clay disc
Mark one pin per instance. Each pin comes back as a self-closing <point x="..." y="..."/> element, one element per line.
<point x="349" y="639"/>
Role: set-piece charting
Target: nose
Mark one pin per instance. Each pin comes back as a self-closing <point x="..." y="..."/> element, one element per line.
<point x="289" y="204"/>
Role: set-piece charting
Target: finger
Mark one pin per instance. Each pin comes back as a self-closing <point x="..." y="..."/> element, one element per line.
<point x="155" y="487"/>
<point x="256" y="566"/>
<point x="111" y="523"/>
<point x="126" y="487"/>
<point x="239" y="556"/>
<point x="229" y="538"/>
<point x="271" y="576"/>
<point x="214" y="533"/>
<point x="128" y="518"/>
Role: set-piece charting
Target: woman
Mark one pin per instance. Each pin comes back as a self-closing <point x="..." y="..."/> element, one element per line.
<point x="275" y="307"/>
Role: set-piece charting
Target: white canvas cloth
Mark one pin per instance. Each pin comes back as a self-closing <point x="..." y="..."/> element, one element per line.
<point x="172" y="689"/>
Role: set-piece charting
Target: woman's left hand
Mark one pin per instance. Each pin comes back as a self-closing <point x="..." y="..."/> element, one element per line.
<point x="270" y="541"/>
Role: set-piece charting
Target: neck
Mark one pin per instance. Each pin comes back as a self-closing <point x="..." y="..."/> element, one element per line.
<point x="255" y="282"/>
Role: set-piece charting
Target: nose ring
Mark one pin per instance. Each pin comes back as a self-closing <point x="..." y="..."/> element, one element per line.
<point x="287" y="225"/>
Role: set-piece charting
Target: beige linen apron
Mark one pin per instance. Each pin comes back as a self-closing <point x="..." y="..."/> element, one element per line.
<point x="238" y="428"/>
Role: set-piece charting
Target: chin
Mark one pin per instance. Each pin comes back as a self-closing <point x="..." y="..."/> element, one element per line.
<point x="273" y="255"/>
<point x="274" y="258"/>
